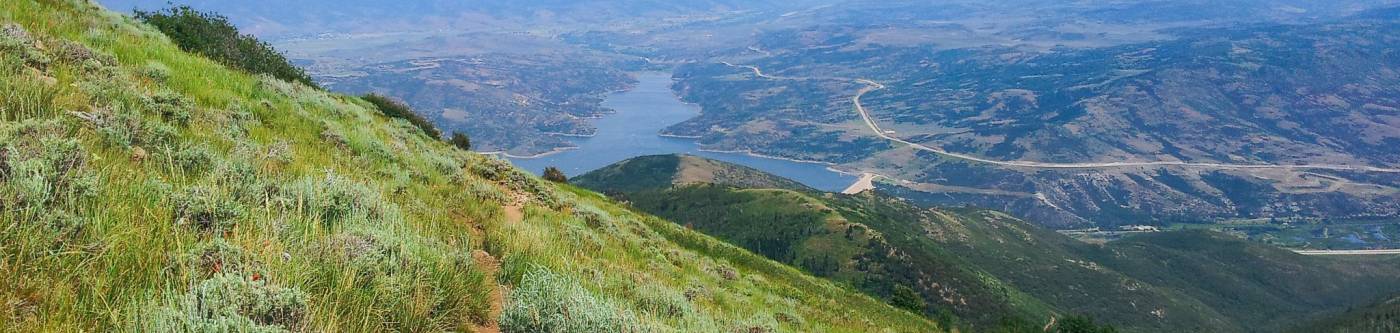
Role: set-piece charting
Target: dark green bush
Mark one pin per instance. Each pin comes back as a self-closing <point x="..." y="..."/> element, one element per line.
<point x="1081" y="324"/>
<point x="213" y="36"/>
<point x="553" y="174"/>
<point x="908" y="299"/>
<point x="396" y="109"/>
<point x="462" y="141"/>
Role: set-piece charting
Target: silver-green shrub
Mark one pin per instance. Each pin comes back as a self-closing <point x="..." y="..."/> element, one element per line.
<point x="233" y="303"/>
<point x="548" y="302"/>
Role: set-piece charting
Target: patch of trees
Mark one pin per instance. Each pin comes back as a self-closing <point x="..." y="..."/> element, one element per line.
<point x="553" y="174"/>
<point x="211" y="35"/>
<point x="462" y="141"/>
<point x="395" y="109"/>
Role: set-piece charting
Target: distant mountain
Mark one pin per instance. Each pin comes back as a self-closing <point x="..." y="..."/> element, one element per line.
<point x="1320" y="93"/>
<point x="989" y="269"/>
<point x="273" y="18"/>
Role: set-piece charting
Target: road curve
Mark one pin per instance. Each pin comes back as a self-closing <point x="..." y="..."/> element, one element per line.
<point x="869" y="121"/>
<point x="1346" y="252"/>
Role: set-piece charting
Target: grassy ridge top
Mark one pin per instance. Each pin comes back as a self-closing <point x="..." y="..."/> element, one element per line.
<point x="147" y="189"/>
<point x="662" y="171"/>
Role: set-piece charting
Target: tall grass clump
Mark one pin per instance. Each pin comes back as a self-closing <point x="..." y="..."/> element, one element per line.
<point x="334" y="200"/>
<point x="213" y="36"/>
<point x="25" y="89"/>
<point x="434" y="287"/>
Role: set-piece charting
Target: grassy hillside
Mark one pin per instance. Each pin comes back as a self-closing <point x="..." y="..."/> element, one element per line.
<point x="146" y="189"/>
<point x="986" y="267"/>
<point x="662" y="171"/>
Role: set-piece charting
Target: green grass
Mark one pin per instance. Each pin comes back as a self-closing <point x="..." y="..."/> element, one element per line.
<point x="145" y="188"/>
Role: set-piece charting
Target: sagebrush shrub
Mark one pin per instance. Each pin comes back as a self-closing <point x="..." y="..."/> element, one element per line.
<point x="594" y="217"/>
<point x="15" y="40"/>
<point x="43" y="166"/>
<point x="206" y="209"/>
<point x="501" y="172"/>
<point x="279" y="152"/>
<point x="335" y="200"/>
<point x="194" y="157"/>
<point x="108" y="86"/>
<point x="156" y="71"/>
<point x="661" y="301"/>
<point x="218" y="256"/>
<point x="485" y="192"/>
<point x="241" y="181"/>
<point x="332" y="136"/>
<point x="170" y="105"/>
<point x="389" y="263"/>
<point x="548" y="302"/>
<point x="124" y="129"/>
<point x="77" y="54"/>
<point x="232" y="303"/>
<point x="446" y="165"/>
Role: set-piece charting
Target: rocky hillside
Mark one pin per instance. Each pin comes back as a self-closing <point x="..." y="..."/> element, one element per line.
<point x="985" y="270"/>
<point x="143" y="188"/>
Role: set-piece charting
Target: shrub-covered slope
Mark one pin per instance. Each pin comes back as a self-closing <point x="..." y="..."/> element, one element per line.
<point x="143" y="188"/>
<point x="991" y="270"/>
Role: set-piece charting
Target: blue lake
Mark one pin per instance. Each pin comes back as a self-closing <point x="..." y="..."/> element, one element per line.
<point x="634" y="131"/>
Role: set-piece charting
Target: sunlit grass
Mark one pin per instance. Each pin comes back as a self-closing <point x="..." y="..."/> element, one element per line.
<point x="376" y="233"/>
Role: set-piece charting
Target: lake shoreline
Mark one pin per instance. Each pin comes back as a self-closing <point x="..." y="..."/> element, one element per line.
<point x="637" y="128"/>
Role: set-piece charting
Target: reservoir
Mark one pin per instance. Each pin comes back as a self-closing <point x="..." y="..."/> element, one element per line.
<point x="634" y="130"/>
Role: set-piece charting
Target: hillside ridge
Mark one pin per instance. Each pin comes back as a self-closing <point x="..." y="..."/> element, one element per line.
<point x="145" y="188"/>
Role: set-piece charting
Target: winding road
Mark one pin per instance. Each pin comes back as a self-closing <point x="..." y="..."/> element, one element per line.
<point x="1346" y="252"/>
<point x="871" y="85"/>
